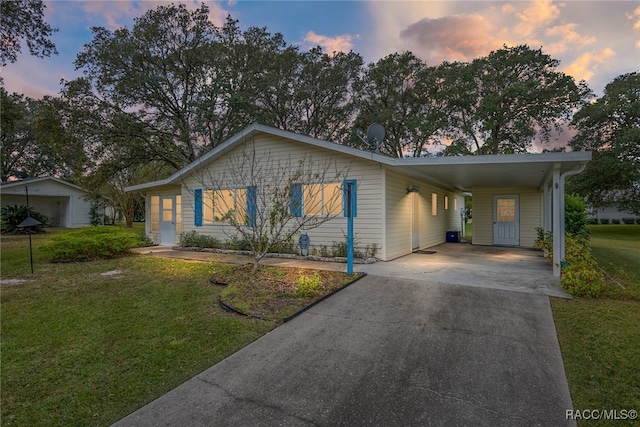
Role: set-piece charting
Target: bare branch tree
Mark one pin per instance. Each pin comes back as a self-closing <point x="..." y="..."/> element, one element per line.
<point x="267" y="199"/>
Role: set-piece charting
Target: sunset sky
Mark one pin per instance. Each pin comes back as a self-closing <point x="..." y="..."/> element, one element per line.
<point x="594" y="40"/>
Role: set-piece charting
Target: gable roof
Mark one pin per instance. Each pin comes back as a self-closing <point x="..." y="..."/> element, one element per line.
<point x="460" y="172"/>
<point x="26" y="181"/>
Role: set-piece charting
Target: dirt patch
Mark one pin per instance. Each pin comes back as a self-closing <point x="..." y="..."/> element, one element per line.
<point x="272" y="293"/>
<point x="12" y="282"/>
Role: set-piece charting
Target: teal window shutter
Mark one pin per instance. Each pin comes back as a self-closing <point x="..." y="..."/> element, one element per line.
<point x="296" y="200"/>
<point x="354" y="198"/>
<point x="197" y="208"/>
<point x="252" y="205"/>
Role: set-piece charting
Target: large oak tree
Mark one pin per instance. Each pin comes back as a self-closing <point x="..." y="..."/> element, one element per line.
<point x="610" y="127"/>
<point x="503" y="102"/>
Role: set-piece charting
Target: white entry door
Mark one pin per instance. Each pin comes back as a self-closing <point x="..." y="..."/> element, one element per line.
<point x="506" y="220"/>
<point x="415" y="221"/>
<point x="167" y="220"/>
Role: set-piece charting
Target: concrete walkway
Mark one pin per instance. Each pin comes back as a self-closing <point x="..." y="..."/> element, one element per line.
<point x="387" y="351"/>
<point x="512" y="269"/>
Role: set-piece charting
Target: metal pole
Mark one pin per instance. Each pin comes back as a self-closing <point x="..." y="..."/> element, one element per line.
<point x="30" y="251"/>
<point x="349" y="229"/>
<point x="26" y="190"/>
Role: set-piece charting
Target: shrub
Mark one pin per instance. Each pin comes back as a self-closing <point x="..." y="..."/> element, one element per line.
<point x="194" y="240"/>
<point x="575" y="215"/>
<point x="638" y="221"/>
<point x="339" y="249"/>
<point x="581" y="276"/>
<point x="604" y="220"/>
<point x="592" y="221"/>
<point x="629" y="221"/>
<point x="615" y="221"/>
<point x="12" y="216"/>
<point x="90" y="243"/>
<point x="283" y="248"/>
<point x="544" y="242"/>
<point x="237" y="244"/>
<point x="309" y="286"/>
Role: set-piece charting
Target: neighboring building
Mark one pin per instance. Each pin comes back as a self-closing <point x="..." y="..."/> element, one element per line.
<point x="62" y="202"/>
<point x="610" y="212"/>
<point x="402" y="204"/>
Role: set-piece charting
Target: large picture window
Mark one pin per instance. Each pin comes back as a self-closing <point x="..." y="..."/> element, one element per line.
<point x="316" y="199"/>
<point x="227" y="206"/>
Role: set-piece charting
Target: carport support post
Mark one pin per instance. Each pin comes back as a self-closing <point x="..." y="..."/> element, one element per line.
<point x="558" y="207"/>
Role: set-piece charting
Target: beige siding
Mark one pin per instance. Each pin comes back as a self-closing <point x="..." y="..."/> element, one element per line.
<point x="483" y="213"/>
<point x="367" y="224"/>
<point x="432" y="229"/>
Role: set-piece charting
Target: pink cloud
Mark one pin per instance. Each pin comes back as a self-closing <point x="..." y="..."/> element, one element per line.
<point x="586" y="65"/>
<point x="341" y="43"/>
<point x="452" y="38"/>
<point x="635" y="18"/>
<point x="538" y="14"/>
<point x="567" y="37"/>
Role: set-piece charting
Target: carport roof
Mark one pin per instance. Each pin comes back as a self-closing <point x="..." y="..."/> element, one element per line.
<point x="508" y="170"/>
<point x="460" y="173"/>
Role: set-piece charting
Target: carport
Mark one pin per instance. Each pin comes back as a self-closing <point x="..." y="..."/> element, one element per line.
<point x="494" y="267"/>
<point x="513" y="194"/>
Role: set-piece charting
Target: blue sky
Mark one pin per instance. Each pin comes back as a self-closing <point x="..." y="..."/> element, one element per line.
<point x="594" y="40"/>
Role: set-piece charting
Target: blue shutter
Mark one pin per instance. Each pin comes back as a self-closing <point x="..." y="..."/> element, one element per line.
<point x="197" y="208"/>
<point x="252" y="205"/>
<point x="354" y="198"/>
<point x="295" y="204"/>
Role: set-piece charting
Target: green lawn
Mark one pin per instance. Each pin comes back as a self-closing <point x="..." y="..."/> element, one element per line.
<point x="617" y="249"/>
<point x="80" y="347"/>
<point x="600" y="339"/>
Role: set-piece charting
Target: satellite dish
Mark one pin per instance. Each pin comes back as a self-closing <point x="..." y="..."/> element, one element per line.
<point x="375" y="135"/>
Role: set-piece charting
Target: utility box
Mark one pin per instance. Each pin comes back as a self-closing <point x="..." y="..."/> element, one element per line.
<point x="453" y="237"/>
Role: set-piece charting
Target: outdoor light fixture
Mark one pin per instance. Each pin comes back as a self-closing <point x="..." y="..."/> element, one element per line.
<point x="413" y="189"/>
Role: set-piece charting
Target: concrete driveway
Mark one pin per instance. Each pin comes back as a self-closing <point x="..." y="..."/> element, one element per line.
<point x="495" y="267"/>
<point x="387" y="351"/>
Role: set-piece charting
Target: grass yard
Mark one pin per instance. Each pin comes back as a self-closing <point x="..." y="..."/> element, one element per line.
<point x="600" y="338"/>
<point x="88" y="343"/>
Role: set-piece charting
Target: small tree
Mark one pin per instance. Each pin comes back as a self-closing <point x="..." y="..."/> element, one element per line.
<point x="575" y="216"/>
<point x="267" y="199"/>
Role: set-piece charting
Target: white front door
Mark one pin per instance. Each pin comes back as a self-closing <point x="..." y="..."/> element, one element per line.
<point x="506" y="220"/>
<point x="415" y="221"/>
<point x="167" y="220"/>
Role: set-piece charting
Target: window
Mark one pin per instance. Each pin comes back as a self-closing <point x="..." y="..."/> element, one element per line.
<point x="155" y="213"/>
<point x="316" y="199"/>
<point x="332" y="198"/>
<point x="312" y="203"/>
<point x="434" y="204"/>
<point x="506" y="210"/>
<point x="224" y="206"/>
<point x="178" y="214"/>
<point x="446" y="203"/>
<point x="455" y="204"/>
<point x="167" y="209"/>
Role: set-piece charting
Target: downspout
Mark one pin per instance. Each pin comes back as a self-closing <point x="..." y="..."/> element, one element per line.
<point x="561" y="207"/>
